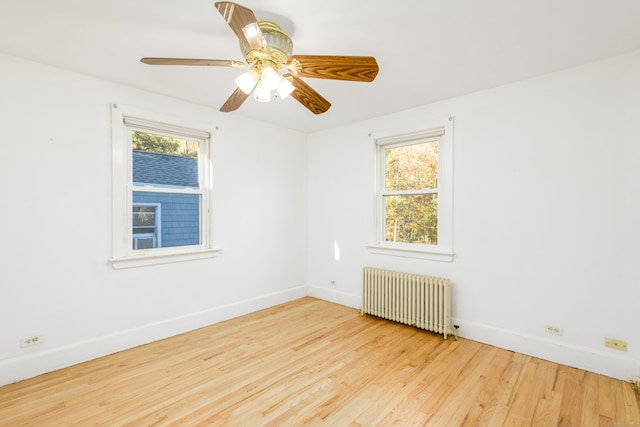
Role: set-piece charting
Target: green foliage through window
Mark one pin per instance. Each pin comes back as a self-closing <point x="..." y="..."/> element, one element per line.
<point x="412" y="167"/>
<point x="162" y="144"/>
<point x="410" y="196"/>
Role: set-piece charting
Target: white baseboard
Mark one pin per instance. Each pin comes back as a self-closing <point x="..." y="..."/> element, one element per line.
<point x="333" y="295"/>
<point x="19" y="368"/>
<point x="600" y="362"/>
<point x="37" y="363"/>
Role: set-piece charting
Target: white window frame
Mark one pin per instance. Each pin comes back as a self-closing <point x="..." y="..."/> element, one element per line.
<point x="124" y="119"/>
<point x="442" y="130"/>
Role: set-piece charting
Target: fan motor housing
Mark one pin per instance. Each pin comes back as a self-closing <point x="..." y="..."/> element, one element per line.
<point x="279" y="43"/>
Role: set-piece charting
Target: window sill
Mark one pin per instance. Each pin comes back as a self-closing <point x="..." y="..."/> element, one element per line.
<point x="412" y="252"/>
<point x="146" y="259"/>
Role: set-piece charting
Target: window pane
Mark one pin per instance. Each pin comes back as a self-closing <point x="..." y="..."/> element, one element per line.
<point x="144" y="243"/>
<point x="412" y="167"/>
<point x="144" y="230"/>
<point x="179" y="223"/>
<point x="163" y="161"/>
<point x="144" y="216"/>
<point x="412" y="218"/>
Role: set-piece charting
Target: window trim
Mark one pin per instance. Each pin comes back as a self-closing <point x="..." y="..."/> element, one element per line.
<point x="123" y="118"/>
<point x="443" y="251"/>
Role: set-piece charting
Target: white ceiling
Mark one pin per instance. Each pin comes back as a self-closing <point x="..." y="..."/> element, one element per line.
<point x="427" y="50"/>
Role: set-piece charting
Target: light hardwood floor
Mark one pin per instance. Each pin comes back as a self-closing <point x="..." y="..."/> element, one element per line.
<point x="310" y="362"/>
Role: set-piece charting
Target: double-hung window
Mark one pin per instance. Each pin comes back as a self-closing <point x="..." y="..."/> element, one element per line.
<point x="414" y="193"/>
<point x="161" y="189"/>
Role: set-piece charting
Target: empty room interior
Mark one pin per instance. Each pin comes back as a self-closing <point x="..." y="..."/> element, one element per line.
<point x="432" y="217"/>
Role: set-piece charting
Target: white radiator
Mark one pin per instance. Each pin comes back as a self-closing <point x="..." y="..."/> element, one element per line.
<point x="412" y="299"/>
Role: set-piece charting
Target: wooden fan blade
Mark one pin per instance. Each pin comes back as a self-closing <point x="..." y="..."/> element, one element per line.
<point x="352" y="68"/>
<point x="244" y="23"/>
<point x="200" y="62"/>
<point x="307" y="96"/>
<point x="234" y="101"/>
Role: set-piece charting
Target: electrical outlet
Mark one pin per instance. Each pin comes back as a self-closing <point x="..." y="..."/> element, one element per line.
<point x="556" y="330"/>
<point x="27" y="342"/>
<point x="615" y="344"/>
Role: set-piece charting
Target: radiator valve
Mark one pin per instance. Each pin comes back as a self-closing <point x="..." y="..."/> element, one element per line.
<point x="635" y="382"/>
<point x="455" y="332"/>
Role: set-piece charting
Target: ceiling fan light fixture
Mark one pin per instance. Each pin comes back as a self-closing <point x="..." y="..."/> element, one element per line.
<point x="264" y="78"/>
<point x="262" y="92"/>
<point x="247" y="81"/>
<point x="270" y="77"/>
<point x="285" y="88"/>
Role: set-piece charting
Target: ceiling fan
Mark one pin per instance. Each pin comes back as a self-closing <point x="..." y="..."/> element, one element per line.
<point x="272" y="68"/>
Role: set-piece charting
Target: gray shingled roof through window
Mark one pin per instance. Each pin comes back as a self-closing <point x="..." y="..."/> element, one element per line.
<point x="164" y="169"/>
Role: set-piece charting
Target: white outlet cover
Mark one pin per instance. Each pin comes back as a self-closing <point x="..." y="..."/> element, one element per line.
<point x="555" y="330"/>
<point x="28" y="342"/>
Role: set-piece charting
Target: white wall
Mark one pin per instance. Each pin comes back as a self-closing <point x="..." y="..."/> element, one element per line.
<point x="546" y="208"/>
<point x="546" y="213"/>
<point x="55" y="224"/>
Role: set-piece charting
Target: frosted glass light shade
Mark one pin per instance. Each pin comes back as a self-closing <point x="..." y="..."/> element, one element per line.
<point x="270" y="77"/>
<point x="284" y="88"/>
<point x="262" y="92"/>
<point x="247" y="81"/>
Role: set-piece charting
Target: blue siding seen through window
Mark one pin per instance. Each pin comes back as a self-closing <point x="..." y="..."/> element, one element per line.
<point x="180" y="220"/>
<point x="180" y="214"/>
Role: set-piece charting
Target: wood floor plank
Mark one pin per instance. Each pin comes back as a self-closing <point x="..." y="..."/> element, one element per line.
<point x="402" y="393"/>
<point x="569" y="382"/>
<point x="456" y="407"/>
<point x="547" y="411"/>
<point x="486" y="401"/>
<point x="626" y="407"/>
<point x="606" y="408"/>
<point x="527" y="394"/>
<point x="310" y="362"/>
<point x="498" y="407"/>
<point x="590" y="389"/>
